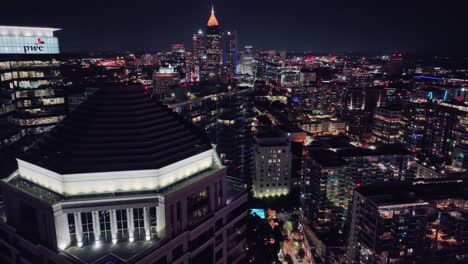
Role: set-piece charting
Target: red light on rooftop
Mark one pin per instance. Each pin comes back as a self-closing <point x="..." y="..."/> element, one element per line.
<point x="358" y="184"/>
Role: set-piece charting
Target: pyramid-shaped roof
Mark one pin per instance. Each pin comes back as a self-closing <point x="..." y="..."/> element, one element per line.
<point x="119" y="128"/>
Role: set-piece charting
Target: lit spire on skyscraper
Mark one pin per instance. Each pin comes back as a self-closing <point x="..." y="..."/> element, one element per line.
<point x="212" y="22"/>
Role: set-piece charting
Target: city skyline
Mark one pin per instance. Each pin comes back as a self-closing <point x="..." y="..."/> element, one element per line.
<point x="231" y="132"/>
<point x="316" y="27"/>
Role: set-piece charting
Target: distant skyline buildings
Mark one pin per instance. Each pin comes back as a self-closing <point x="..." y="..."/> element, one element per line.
<point x="305" y="26"/>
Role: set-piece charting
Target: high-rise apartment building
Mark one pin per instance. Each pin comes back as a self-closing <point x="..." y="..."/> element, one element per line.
<point x="325" y="190"/>
<point x="32" y="99"/>
<point x="359" y="103"/>
<point x="246" y="61"/>
<point x="413" y="124"/>
<point x="234" y="142"/>
<point x="122" y="180"/>
<point x="446" y="132"/>
<point x="272" y="164"/>
<point x="333" y="167"/>
<point x="387" y="125"/>
<point x="422" y="221"/>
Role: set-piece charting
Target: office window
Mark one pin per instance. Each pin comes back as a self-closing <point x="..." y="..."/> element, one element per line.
<point x="122" y="225"/>
<point x="104" y="222"/>
<point x="72" y="228"/>
<point x="139" y="223"/>
<point x="87" y="225"/>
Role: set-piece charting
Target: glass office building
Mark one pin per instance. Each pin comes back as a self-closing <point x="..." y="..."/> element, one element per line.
<point x="31" y="95"/>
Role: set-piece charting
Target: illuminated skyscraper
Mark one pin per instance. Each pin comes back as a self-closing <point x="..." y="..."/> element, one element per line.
<point x="230" y="52"/>
<point x="31" y="98"/>
<point x="246" y="61"/>
<point x="198" y="53"/>
<point x="212" y="67"/>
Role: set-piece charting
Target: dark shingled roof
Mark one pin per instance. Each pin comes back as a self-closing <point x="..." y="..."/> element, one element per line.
<point x="118" y="128"/>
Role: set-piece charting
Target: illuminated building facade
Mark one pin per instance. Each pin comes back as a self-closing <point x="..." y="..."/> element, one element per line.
<point x="333" y="167"/>
<point x="234" y="141"/>
<point x="198" y="53"/>
<point x="230" y="52"/>
<point x="290" y="76"/>
<point x="413" y="222"/>
<point x="214" y="52"/>
<point x="387" y="125"/>
<point x="460" y="141"/>
<point x="446" y="130"/>
<point x="413" y="124"/>
<point x="323" y="126"/>
<point x="272" y="164"/>
<point x="246" y="61"/>
<point x="360" y="103"/>
<point x="205" y="108"/>
<point x="325" y="190"/>
<point x="164" y="79"/>
<point x="122" y="179"/>
<point x="380" y="163"/>
<point x="31" y="99"/>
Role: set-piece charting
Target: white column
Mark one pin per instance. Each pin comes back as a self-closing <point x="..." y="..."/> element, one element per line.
<point x="78" y="229"/>
<point x="113" y="224"/>
<point x="96" y="227"/>
<point x="146" y="217"/>
<point x="62" y="230"/>
<point x="130" y="224"/>
<point x="161" y="219"/>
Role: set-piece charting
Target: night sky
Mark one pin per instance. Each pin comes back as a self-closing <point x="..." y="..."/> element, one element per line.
<point x="302" y="25"/>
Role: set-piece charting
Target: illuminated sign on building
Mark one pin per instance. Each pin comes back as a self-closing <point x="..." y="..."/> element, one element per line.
<point x="28" y="45"/>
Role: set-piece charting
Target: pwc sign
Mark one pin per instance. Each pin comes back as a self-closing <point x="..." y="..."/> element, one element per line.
<point x="37" y="48"/>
